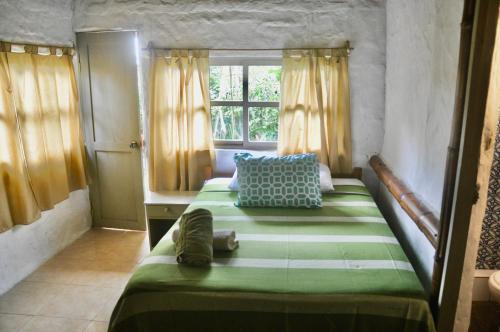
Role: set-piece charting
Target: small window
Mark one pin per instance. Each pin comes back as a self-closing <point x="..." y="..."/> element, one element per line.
<point x="245" y="96"/>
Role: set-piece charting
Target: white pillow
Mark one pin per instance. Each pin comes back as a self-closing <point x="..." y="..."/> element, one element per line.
<point x="325" y="180"/>
<point x="233" y="185"/>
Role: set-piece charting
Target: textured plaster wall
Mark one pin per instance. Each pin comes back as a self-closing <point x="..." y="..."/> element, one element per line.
<point x="41" y="21"/>
<point x="267" y="24"/>
<point x="24" y="248"/>
<point x="422" y="59"/>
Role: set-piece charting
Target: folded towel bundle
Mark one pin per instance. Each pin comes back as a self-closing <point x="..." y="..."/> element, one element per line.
<point x="223" y="239"/>
<point x="194" y="245"/>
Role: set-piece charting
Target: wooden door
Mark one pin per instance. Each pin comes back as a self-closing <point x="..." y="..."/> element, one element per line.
<point x="110" y="107"/>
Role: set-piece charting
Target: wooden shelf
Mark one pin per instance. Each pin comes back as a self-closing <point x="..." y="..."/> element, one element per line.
<point x="163" y="208"/>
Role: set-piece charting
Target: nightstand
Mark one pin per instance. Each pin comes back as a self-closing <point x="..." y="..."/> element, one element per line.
<point x="163" y="208"/>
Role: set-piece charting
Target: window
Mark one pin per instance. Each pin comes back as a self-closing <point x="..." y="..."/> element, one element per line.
<point x="245" y="96"/>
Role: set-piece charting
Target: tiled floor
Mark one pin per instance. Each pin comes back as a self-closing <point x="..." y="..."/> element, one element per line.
<point x="77" y="289"/>
<point x="485" y="317"/>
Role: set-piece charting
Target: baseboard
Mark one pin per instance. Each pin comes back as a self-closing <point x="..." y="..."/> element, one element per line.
<point x="480" y="290"/>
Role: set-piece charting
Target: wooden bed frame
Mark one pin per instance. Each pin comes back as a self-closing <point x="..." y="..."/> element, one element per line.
<point x="421" y="215"/>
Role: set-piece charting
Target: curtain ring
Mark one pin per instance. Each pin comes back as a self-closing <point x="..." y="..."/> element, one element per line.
<point x="31" y="49"/>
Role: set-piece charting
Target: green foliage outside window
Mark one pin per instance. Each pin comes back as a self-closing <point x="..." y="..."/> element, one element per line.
<point x="226" y="84"/>
<point x="227" y="122"/>
<point x="264" y="83"/>
<point x="263" y="124"/>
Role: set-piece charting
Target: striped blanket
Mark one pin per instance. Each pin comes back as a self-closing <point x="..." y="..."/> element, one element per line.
<point x="337" y="268"/>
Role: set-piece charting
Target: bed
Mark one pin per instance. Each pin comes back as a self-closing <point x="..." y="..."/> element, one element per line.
<point x="337" y="268"/>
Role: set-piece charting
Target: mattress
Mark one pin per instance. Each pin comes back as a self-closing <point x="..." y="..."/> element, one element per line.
<point x="336" y="268"/>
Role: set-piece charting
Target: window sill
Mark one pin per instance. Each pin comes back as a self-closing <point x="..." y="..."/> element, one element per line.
<point x="251" y="147"/>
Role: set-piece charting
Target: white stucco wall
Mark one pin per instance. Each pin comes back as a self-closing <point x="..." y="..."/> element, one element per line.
<point x="422" y="59"/>
<point x="43" y="22"/>
<point x="267" y="24"/>
<point x="24" y="248"/>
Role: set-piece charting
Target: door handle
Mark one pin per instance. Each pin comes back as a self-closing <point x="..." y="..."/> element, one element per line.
<point x="134" y="145"/>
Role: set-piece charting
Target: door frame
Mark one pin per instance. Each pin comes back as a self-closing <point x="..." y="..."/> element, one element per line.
<point x="474" y="80"/>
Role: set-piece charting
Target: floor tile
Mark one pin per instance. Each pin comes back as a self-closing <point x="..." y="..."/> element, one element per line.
<point x="97" y="327"/>
<point x="77" y="289"/>
<point x="13" y="323"/>
<point x="101" y="278"/>
<point x="53" y="272"/>
<point x="27" y="298"/>
<point x="485" y="316"/>
<point x="56" y="324"/>
<point x="104" y="313"/>
<point x="76" y="301"/>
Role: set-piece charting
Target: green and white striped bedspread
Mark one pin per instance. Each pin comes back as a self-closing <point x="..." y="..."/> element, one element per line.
<point x="337" y="268"/>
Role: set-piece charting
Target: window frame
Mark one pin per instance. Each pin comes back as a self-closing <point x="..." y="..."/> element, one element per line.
<point x="245" y="143"/>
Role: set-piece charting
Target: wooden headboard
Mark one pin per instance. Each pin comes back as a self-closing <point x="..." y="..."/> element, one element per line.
<point x="423" y="217"/>
<point x="357" y="172"/>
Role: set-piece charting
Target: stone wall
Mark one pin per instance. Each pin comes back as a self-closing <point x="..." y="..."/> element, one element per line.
<point x="42" y="22"/>
<point x="422" y="62"/>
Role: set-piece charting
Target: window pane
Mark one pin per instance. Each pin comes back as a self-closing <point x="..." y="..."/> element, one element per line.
<point x="226" y="83"/>
<point x="264" y="83"/>
<point x="263" y="124"/>
<point x="227" y="122"/>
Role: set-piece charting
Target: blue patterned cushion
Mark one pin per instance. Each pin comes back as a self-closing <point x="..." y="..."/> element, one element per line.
<point x="290" y="181"/>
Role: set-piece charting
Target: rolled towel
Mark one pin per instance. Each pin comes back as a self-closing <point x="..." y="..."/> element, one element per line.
<point x="194" y="245"/>
<point x="223" y="239"/>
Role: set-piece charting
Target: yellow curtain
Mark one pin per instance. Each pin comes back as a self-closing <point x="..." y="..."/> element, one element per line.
<point x="315" y="107"/>
<point x="45" y="147"/>
<point x="17" y="203"/>
<point x="180" y="130"/>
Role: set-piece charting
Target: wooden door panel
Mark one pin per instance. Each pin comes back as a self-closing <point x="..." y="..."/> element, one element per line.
<point x="110" y="107"/>
<point x="117" y="194"/>
<point x="114" y="93"/>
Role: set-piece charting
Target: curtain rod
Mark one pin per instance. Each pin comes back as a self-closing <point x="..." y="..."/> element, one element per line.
<point x="37" y="45"/>
<point x="36" y="48"/>
<point x="347" y="46"/>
